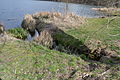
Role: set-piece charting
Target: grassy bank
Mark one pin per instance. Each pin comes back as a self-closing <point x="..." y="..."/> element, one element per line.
<point x="103" y="29"/>
<point x="26" y="61"/>
<point x="22" y="60"/>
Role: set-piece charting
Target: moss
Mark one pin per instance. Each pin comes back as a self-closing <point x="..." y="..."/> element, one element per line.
<point x="19" y="33"/>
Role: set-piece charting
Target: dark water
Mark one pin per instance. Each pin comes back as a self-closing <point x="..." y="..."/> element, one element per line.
<point x="12" y="11"/>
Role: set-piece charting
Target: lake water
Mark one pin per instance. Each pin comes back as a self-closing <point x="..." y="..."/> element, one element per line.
<point x="13" y="11"/>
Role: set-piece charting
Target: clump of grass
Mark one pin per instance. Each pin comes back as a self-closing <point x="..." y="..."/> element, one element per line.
<point x="18" y="32"/>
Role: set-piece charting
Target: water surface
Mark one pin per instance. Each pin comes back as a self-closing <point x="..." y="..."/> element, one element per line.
<point x="12" y="11"/>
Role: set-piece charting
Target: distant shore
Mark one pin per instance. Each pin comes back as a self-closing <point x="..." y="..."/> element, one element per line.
<point x="107" y="3"/>
<point x="110" y="11"/>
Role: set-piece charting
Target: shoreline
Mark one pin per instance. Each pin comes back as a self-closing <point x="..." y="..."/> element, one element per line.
<point x="109" y="11"/>
<point x="106" y="9"/>
<point x="91" y="2"/>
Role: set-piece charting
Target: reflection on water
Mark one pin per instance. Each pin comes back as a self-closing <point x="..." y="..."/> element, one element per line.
<point x="12" y="11"/>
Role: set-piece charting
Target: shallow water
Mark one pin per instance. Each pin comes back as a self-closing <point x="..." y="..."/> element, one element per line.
<point x="13" y="11"/>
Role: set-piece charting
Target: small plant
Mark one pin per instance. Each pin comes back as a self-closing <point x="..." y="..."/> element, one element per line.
<point x="19" y="33"/>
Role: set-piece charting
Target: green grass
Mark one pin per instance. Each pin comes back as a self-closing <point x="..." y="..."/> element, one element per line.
<point x="99" y="29"/>
<point x="27" y="61"/>
<point x="19" y="33"/>
<point x="22" y="60"/>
